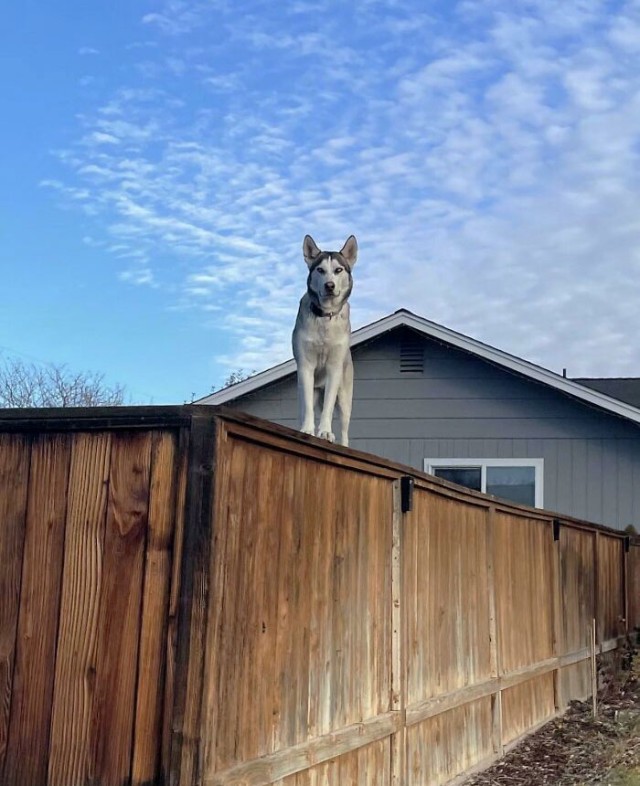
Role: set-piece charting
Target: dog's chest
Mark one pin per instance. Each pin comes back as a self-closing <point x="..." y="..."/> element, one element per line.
<point x="326" y="332"/>
<point x="321" y="338"/>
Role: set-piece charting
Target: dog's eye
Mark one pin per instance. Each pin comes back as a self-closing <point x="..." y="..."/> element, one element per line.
<point x="338" y="270"/>
<point x="322" y="271"/>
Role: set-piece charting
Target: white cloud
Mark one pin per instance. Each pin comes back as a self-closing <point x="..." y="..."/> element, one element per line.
<point x="488" y="161"/>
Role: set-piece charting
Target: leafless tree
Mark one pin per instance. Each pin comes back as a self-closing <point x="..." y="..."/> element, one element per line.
<point x="237" y="376"/>
<point x="49" y="385"/>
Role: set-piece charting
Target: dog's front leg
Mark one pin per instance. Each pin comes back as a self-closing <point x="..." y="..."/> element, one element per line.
<point x="345" y="396"/>
<point x="330" y="395"/>
<point x="305" y="399"/>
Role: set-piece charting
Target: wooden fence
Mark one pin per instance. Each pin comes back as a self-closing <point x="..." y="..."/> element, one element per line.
<point x="190" y="596"/>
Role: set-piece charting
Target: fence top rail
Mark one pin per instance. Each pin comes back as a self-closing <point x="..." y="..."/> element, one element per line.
<point x="93" y="418"/>
<point x="75" y="419"/>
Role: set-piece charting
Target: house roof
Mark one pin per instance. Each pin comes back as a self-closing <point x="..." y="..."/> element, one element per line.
<point x="602" y="396"/>
<point x="623" y="388"/>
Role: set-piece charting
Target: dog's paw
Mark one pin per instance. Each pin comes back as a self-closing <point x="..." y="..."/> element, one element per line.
<point x="308" y="430"/>
<point x="328" y="435"/>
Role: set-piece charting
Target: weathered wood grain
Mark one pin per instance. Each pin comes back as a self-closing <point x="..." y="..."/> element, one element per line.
<point x="526" y="705"/>
<point x="300" y="636"/>
<point x="76" y="657"/>
<point x="297" y="758"/>
<point x="193" y="606"/>
<point x="182" y="472"/>
<point x="447" y="596"/>
<point x="398" y="675"/>
<point x="14" y="476"/>
<point x="449" y="744"/>
<point x="155" y="602"/>
<point x="28" y="751"/>
<point x="216" y="601"/>
<point x="119" y="611"/>
<point x="523" y="577"/>
<point x="611" y="605"/>
<point x="633" y="585"/>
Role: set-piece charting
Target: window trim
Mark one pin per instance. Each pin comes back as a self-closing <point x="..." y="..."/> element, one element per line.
<point x="537" y="463"/>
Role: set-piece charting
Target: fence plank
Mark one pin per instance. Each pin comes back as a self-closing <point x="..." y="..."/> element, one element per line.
<point x="119" y="613"/>
<point x="610" y="587"/>
<point x="28" y="752"/>
<point x="75" y="667"/>
<point x="193" y="608"/>
<point x="182" y="472"/>
<point x="14" y="475"/>
<point x="398" y="677"/>
<point x="634" y="586"/>
<point x="154" y="619"/>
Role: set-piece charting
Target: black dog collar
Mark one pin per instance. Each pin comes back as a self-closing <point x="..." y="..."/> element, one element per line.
<point x="320" y="313"/>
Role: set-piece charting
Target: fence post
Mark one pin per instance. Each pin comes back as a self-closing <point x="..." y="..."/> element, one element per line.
<point x="596" y="584"/>
<point x="194" y="598"/>
<point x="557" y="608"/>
<point x="625" y="582"/>
<point x="496" y="668"/>
<point x="398" y="688"/>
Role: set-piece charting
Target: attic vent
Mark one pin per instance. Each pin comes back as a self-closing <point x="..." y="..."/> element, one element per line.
<point x="411" y="356"/>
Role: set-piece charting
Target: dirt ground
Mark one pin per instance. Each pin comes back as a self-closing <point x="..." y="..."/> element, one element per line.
<point x="577" y="749"/>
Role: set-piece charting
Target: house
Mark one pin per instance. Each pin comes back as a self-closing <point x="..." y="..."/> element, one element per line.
<point x="445" y="403"/>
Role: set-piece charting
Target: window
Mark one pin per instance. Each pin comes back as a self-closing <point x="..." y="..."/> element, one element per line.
<point x="517" y="480"/>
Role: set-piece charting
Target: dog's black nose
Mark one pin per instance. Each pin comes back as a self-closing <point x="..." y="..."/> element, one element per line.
<point x="329" y="286"/>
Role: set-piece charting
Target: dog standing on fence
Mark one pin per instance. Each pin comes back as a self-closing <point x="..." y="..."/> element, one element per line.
<point x="321" y="339"/>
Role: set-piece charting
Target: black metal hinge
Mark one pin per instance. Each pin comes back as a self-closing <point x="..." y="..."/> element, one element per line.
<point x="406" y="493"/>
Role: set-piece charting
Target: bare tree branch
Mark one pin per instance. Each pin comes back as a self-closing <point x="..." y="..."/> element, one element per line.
<point x="30" y="385"/>
<point x="236" y="376"/>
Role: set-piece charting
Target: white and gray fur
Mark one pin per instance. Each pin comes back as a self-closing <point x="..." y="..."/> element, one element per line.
<point x="321" y="339"/>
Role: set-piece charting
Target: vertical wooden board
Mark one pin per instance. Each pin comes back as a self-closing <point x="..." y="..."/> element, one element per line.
<point x="119" y="611"/>
<point x="182" y="462"/>
<point x="610" y="587"/>
<point x="446" y="596"/>
<point x="523" y="567"/>
<point x="527" y="705"/>
<point x="577" y="587"/>
<point x="575" y="683"/>
<point x="320" y="663"/>
<point x="362" y="610"/>
<point x="256" y="676"/>
<point x="75" y="667"/>
<point x="185" y="759"/>
<point x="14" y="476"/>
<point x="447" y="745"/>
<point x="155" y="610"/>
<point x="300" y="622"/>
<point x="213" y="679"/>
<point x="28" y="751"/>
<point x="633" y="592"/>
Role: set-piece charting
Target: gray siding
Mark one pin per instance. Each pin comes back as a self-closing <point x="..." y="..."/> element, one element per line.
<point x="464" y="407"/>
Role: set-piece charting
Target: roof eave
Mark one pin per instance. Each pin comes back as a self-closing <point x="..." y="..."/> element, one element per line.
<point x="430" y="329"/>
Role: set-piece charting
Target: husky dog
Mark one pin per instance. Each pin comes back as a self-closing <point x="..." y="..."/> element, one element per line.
<point x="321" y="338"/>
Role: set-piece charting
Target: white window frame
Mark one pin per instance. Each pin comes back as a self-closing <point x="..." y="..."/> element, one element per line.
<point x="538" y="464"/>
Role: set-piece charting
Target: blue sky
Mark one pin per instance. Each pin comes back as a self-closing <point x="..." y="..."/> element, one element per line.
<point x="162" y="161"/>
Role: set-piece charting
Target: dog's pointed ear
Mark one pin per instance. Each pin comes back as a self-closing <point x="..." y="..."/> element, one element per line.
<point x="350" y="250"/>
<point x="310" y="250"/>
